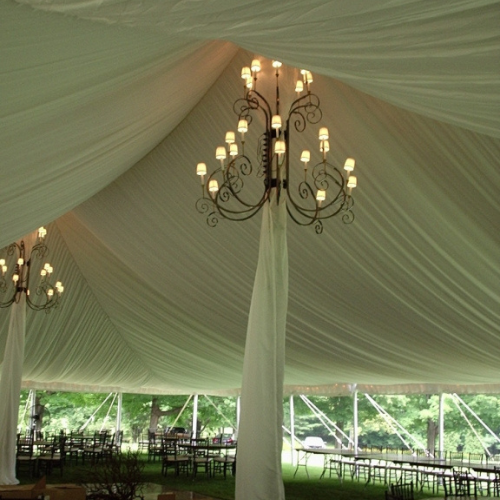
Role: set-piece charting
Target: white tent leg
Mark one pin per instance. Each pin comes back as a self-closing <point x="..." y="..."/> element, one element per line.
<point x="260" y="439"/>
<point x="119" y="414"/>
<point x="441" y="425"/>
<point x="10" y="391"/>
<point x="10" y="384"/>
<point x="355" y="420"/>
<point x="195" y="416"/>
<point x="238" y="411"/>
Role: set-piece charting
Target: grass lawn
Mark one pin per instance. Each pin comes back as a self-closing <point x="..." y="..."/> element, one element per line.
<point x="298" y="488"/>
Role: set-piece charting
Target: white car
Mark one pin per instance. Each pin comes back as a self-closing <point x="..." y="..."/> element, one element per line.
<point x="313" y="442"/>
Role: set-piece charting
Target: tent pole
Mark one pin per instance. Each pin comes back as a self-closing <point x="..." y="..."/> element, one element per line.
<point x="355" y="419"/>
<point x="195" y="416"/>
<point x="292" y="430"/>
<point x="238" y="410"/>
<point x="119" y="414"/>
<point x="10" y="384"/>
<point x="441" y="425"/>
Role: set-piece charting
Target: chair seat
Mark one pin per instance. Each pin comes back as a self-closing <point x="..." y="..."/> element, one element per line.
<point x="178" y="458"/>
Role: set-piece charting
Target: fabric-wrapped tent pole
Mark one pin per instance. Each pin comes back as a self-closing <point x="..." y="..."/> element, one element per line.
<point x="10" y="389"/>
<point x="260" y="432"/>
<point x="10" y="384"/>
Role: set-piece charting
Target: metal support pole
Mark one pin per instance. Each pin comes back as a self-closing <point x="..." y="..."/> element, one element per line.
<point x="238" y="412"/>
<point x="441" y="425"/>
<point x="119" y="414"/>
<point x="355" y="420"/>
<point x="195" y="416"/>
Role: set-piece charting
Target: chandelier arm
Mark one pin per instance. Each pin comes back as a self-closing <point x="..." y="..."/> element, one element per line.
<point x="305" y="109"/>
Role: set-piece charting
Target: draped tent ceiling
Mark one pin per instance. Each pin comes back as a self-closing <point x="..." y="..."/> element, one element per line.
<point x="106" y="107"/>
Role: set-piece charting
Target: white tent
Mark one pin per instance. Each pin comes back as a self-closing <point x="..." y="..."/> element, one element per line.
<point x="107" y="106"/>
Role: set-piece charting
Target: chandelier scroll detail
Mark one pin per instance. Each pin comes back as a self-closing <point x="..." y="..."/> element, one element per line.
<point x="318" y="193"/>
<point x="45" y="295"/>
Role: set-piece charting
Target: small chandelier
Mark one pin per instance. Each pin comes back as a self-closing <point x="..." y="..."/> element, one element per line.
<point x="45" y="295"/>
<point x="319" y="192"/>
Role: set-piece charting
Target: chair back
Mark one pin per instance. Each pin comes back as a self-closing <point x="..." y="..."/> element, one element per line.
<point x="400" y="491"/>
<point x="403" y="491"/>
<point x="24" y="447"/>
<point x="458" y="484"/>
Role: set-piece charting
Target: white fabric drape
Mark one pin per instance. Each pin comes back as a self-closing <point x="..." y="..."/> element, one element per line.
<point x="10" y="387"/>
<point x="260" y="430"/>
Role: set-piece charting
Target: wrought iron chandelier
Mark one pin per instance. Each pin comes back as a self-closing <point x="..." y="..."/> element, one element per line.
<point x="43" y="297"/>
<point x="317" y="193"/>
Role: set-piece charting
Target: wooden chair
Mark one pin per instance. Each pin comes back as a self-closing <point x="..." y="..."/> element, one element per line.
<point x="174" y="458"/>
<point x="74" y="447"/>
<point x="400" y="491"/>
<point x="52" y="456"/>
<point x="225" y="461"/>
<point x="95" y="448"/>
<point x="25" y="457"/>
<point x="459" y="484"/>
<point x="202" y="460"/>
<point x="155" y="446"/>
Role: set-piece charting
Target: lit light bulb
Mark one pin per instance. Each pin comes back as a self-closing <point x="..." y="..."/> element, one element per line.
<point x="279" y="147"/>
<point x="201" y="169"/>
<point x="320" y="196"/>
<point x="349" y="165"/>
<point x="352" y="182"/>
<point x="220" y="153"/>
<point x="213" y="186"/>
<point x="299" y="87"/>
<point x="276" y="122"/>
<point x="305" y="156"/>
<point x="242" y="128"/>
<point x="255" y="66"/>
<point x="246" y="73"/>
<point x="323" y="134"/>
<point x="230" y="137"/>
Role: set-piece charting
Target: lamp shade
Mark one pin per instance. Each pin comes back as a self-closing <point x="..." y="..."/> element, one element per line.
<point x="242" y="126"/>
<point x="305" y="156"/>
<point x="213" y="186"/>
<point x="201" y="169"/>
<point x="279" y="147"/>
<point x="255" y="65"/>
<point x="321" y="195"/>
<point x="349" y="165"/>
<point x="246" y="74"/>
<point x="323" y="134"/>
<point x="220" y="153"/>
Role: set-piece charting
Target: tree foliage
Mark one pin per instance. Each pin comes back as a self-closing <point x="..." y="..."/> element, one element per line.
<point x="414" y="415"/>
